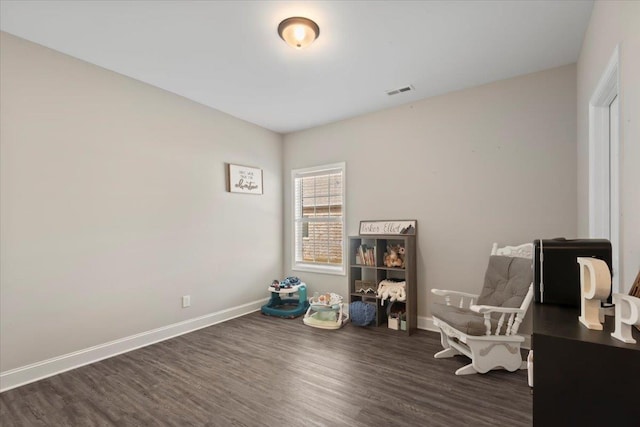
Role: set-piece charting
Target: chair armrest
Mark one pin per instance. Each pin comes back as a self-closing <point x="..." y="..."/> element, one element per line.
<point x="470" y="298"/>
<point x="492" y="309"/>
<point x="513" y="320"/>
<point x="444" y="293"/>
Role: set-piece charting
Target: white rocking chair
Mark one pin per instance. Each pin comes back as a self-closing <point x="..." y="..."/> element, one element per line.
<point x="484" y="327"/>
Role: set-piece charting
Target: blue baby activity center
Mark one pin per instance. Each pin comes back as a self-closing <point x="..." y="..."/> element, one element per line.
<point x="288" y="307"/>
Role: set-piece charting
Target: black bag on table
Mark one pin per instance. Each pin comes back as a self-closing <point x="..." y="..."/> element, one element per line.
<point x="556" y="273"/>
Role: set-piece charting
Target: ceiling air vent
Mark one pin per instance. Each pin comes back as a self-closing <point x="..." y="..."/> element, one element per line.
<point x="400" y="90"/>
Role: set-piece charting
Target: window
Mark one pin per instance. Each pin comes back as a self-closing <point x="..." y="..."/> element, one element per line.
<point x="318" y="217"/>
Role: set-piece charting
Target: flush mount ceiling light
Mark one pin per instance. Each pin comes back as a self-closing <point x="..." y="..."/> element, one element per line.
<point x="298" y="32"/>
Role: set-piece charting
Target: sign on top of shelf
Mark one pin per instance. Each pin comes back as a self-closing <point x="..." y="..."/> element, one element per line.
<point x="403" y="227"/>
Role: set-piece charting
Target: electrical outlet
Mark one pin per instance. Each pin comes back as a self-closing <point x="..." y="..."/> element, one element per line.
<point x="186" y="301"/>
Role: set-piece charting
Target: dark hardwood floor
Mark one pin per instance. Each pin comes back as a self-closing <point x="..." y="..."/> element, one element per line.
<point x="265" y="371"/>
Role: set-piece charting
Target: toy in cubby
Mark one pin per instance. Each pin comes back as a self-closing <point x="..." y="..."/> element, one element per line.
<point x="394" y="257"/>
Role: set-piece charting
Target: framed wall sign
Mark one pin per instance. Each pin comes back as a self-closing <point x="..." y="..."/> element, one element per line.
<point x="388" y="227"/>
<point x="244" y="179"/>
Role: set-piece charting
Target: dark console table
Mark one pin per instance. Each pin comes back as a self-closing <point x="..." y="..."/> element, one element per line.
<point x="582" y="377"/>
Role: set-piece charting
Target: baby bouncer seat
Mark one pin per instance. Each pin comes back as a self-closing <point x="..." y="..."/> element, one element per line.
<point x="325" y="311"/>
<point x="484" y="327"/>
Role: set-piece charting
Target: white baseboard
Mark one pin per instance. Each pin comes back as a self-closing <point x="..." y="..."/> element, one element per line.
<point x="56" y="365"/>
<point x="426" y="323"/>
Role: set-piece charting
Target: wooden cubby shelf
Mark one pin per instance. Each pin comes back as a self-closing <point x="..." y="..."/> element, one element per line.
<point x="367" y="270"/>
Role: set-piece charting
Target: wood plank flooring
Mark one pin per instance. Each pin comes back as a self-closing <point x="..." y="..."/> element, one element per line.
<point x="265" y="371"/>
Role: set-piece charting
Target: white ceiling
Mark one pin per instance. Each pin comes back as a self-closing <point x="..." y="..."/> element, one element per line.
<point x="227" y="54"/>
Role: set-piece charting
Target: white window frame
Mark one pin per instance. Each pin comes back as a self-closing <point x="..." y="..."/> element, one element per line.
<point x="312" y="267"/>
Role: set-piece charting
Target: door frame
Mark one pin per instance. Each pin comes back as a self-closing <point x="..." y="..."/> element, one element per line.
<point x="604" y="164"/>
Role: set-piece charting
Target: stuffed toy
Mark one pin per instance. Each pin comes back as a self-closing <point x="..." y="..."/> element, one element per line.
<point x="393" y="291"/>
<point x="394" y="257"/>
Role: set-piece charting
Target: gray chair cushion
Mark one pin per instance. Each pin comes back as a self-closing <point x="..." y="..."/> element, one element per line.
<point x="462" y="319"/>
<point x="506" y="281"/>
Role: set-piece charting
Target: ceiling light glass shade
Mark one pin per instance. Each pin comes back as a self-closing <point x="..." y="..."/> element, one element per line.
<point x="298" y="32"/>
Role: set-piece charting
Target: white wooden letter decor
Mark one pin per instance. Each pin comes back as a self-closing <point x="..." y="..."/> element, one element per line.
<point x="627" y="315"/>
<point x="595" y="285"/>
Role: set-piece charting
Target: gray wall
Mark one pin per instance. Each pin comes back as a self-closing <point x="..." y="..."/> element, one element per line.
<point x="113" y="206"/>
<point x="491" y="163"/>
<point x="113" y="203"/>
<point x="614" y="22"/>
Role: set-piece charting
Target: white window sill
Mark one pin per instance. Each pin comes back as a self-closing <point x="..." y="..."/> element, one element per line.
<point x="322" y="269"/>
